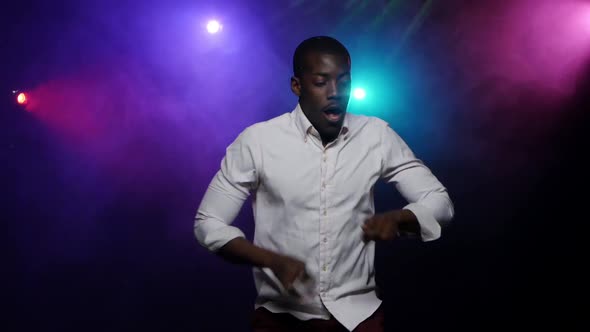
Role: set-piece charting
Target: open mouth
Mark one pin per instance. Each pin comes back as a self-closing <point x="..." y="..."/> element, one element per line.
<point x="333" y="114"/>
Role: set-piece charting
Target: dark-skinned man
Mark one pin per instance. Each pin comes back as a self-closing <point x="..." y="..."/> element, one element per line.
<point x="311" y="173"/>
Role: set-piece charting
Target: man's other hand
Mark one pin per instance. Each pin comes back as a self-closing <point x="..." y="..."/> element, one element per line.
<point x="287" y="270"/>
<point x="383" y="226"/>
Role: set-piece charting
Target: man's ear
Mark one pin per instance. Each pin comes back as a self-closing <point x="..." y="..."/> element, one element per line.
<point x="296" y="86"/>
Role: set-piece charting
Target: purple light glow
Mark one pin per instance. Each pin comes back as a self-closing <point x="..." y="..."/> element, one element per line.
<point x="585" y="21"/>
<point x="538" y="43"/>
<point x="213" y="26"/>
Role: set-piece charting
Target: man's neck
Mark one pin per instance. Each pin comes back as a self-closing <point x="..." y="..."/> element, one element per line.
<point x="327" y="140"/>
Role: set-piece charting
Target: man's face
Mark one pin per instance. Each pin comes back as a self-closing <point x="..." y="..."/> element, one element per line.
<point x="324" y="92"/>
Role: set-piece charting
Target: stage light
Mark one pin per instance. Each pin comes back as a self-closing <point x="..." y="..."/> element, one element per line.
<point x="21" y="98"/>
<point x="213" y="26"/>
<point x="359" y="93"/>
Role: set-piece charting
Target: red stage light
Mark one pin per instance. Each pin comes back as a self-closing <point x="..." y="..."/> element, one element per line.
<point x="21" y="98"/>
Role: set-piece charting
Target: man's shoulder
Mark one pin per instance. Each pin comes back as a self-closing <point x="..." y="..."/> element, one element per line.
<point x="277" y="122"/>
<point x="267" y="127"/>
<point x="365" y="121"/>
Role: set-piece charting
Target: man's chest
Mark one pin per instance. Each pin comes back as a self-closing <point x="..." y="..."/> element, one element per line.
<point x="303" y="174"/>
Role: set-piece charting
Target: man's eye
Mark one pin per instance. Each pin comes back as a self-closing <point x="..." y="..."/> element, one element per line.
<point x="319" y="83"/>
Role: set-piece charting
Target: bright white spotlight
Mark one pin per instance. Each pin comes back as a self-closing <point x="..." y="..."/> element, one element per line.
<point x="213" y="26"/>
<point x="359" y="93"/>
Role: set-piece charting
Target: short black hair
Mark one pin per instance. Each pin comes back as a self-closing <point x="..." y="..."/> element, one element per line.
<point x="319" y="44"/>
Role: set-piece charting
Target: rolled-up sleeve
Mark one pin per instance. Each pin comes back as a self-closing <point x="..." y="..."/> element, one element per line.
<point x="427" y="198"/>
<point x="226" y="194"/>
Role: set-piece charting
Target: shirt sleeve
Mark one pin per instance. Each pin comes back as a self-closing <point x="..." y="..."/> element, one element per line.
<point x="427" y="197"/>
<point x="226" y="194"/>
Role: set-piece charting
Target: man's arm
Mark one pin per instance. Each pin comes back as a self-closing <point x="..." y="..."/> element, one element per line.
<point x="226" y="194"/>
<point x="287" y="269"/>
<point x="430" y="207"/>
<point x="391" y="224"/>
<point x="221" y="204"/>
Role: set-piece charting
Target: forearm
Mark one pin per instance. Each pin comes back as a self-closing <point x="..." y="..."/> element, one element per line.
<point x="242" y="251"/>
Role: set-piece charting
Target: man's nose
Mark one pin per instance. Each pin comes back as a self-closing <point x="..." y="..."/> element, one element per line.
<point x="333" y="90"/>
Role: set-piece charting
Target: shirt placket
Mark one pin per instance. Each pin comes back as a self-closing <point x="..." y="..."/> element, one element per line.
<point x="324" y="226"/>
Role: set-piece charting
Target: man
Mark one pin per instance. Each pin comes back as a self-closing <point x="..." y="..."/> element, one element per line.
<point x="312" y="173"/>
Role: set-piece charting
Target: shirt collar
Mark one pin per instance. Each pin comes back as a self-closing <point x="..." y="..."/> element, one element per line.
<point x="305" y="127"/>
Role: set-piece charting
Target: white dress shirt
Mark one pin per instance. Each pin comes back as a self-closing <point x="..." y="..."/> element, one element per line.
<point x="309" y="203"/>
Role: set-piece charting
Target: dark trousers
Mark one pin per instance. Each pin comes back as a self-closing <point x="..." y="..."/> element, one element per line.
<point x="266" y="321"/>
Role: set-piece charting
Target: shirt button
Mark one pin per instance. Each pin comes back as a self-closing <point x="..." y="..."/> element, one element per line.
<point x="325" y="240"/>
<point x="324" y="267"/>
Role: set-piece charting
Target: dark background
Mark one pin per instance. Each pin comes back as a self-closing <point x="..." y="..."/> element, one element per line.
<point x="132" y="105"/>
